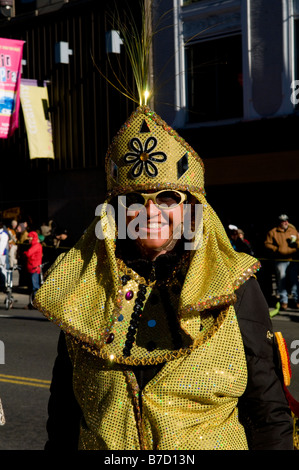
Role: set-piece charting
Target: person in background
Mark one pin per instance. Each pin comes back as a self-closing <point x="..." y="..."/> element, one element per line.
<point x="237" y="240"/>
<point x="3" y="255"/>
<point x="45" y="229"/>
<point x="246" y="242"/>
<point x="282" y="242"/>
<point x="22" y="242"/>
<point x="13" y="248"/>
<point x="60" y="238"/>
<point x="33" y="258"/>
<point x="22" y="232"/>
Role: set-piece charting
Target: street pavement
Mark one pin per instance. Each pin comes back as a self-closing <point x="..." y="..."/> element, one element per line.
<point x="30" y="343"/>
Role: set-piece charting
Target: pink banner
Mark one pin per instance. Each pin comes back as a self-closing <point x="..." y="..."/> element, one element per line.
<point x="11" y="51"/>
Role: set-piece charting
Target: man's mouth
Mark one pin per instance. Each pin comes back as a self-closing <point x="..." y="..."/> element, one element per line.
<point x="154" y="225"/>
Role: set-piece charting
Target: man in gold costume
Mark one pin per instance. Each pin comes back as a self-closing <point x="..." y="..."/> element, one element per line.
<point x="166" y="340"/>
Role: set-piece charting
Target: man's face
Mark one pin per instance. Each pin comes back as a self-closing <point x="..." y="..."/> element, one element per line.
<point x="234" y="235"/>
<point x="157" y="226"/>
<point x="284" y="224"/>
<point x="62" y="236"/>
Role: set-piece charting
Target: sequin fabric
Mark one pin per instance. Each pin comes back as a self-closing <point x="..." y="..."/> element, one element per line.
<point x="191" y="403"/>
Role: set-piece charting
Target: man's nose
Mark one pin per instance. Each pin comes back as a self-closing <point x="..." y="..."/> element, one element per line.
<point x="151" y="208"/>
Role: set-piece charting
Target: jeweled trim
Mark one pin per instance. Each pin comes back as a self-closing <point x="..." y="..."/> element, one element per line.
<point x="247" y="274"/>
<point x="149" y="186"/>
<point x="228" y="299"/>
<point x="135" y="319"/>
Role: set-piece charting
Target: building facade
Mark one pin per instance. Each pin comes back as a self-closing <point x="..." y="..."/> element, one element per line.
<point x="232" y="91"/>
<point x="85" y="111"/>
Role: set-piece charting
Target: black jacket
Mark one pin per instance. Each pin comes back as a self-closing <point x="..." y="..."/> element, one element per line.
<point x="263" y="409"/>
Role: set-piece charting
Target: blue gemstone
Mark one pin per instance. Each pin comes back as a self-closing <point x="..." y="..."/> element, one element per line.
<point x="120" y="318"/>
<point x="151" y="323"/>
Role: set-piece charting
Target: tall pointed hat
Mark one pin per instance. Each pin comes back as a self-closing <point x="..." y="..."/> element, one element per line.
<point x="148" y="154"/>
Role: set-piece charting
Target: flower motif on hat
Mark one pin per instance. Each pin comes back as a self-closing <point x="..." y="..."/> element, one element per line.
<point x="143" y="158"/>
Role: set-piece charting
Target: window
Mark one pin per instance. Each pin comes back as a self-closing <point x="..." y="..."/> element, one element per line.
<point x="24" y="6"/>
<point x="215" y="80"/>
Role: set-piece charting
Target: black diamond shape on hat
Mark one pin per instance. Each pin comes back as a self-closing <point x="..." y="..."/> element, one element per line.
<point x="182" y="165"/>
<point x="144" y="127"/>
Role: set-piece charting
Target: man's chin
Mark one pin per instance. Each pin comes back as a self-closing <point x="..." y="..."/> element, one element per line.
<point x="151" y="244"/>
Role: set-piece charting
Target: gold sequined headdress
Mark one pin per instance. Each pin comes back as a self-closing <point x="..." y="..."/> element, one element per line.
<point x="84" y="292"/>
<point x="148" y="154"/>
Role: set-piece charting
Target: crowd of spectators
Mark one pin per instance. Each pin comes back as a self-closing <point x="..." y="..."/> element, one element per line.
<point x="19" y="239"/>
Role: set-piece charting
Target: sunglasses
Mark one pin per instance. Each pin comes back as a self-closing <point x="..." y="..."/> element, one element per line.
<point x="164" y="199"/>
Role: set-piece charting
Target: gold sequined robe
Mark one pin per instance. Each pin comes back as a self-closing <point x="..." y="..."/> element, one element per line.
<point x="190" y="404"/>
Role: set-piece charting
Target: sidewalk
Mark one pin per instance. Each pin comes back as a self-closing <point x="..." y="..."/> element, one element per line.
<point x="21" y="299"/>
<point x="275" y="311"/>
<point x="287" y="315"/>
<point x="20" y="294"/>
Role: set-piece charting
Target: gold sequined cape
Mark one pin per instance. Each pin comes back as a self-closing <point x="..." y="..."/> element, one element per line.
<point x="192" y="402"/>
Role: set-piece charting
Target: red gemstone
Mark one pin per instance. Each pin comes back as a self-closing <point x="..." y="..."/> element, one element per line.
<point x="110" y="338"/>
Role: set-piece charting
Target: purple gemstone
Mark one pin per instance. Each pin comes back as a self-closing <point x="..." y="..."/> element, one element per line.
<point x="129" y="295"/>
